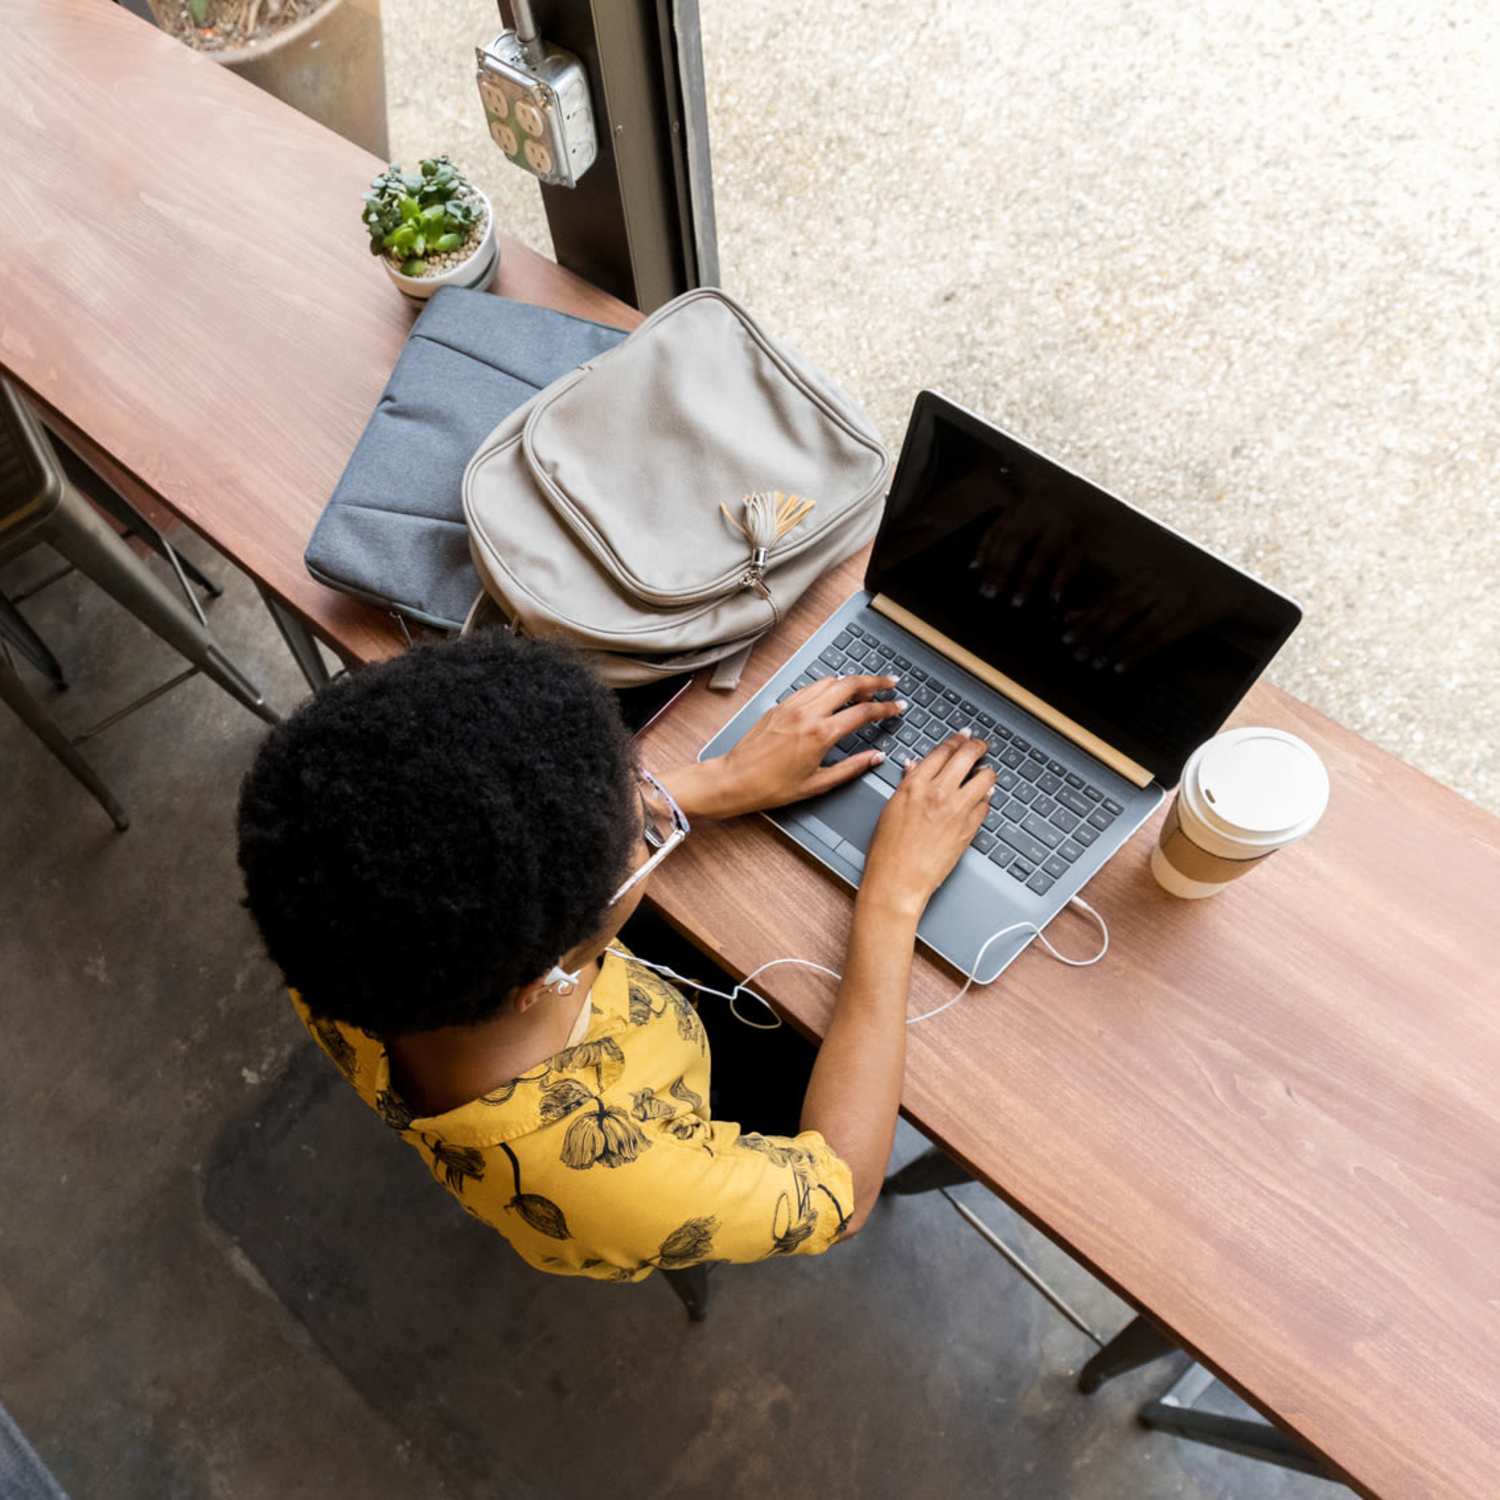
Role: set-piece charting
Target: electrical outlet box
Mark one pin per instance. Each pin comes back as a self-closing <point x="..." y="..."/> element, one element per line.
<point x="538" y="109"/>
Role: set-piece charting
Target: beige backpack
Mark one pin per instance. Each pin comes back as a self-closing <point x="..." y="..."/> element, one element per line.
<point x="665" y="504"/>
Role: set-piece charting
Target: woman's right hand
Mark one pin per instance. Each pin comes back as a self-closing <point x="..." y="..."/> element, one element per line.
<point x="926" y="826"/>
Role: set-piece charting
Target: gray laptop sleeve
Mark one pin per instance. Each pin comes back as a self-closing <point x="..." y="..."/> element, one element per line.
<point x="393" y="532"/>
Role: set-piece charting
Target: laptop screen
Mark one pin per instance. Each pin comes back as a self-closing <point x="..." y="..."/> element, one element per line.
<point x="1109" y="617"/>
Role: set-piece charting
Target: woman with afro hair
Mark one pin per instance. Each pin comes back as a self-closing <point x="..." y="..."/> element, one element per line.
<point x="440" y="852"/>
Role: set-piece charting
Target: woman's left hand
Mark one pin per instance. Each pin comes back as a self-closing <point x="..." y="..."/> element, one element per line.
<point x="780" y="760"/>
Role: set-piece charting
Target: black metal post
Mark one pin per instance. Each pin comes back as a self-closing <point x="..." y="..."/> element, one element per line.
<point x="640" y="222"/>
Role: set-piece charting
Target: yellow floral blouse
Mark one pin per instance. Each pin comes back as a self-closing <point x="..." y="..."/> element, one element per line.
<point x="603" y="1160"/>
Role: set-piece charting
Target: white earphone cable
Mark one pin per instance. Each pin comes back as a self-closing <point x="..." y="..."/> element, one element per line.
<point x="743" y="987"/>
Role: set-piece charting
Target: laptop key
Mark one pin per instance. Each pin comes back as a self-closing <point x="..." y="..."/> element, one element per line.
<point x="984" y="841"/>
<point x="1021" y="744"/>
<point x="1074" y="780"/>
<point x="969" y="708"/>
<point x="1039" y="755"/>
<point x="1001" y="855"/>
<point x="818" y="671"/>
<point x="842" y="640"/>
<point x="1024" y="793"/>
<point x="1020" y="869"/>
<point x="1055" y="866"/>
<point x="1049" y="783"/>
<point x="855" y="630"/>
<point x="801" y="682"/>
<point x="992" y="821"/>
<point x="919" y="674"/>
<point x="1002" y="731"/>
<point x="988" y="720"/>
<point x="1110" y="805"/>
<point x="1013" y="812"/>
<point x="889" y="771"/>
<point x="935" y="685"/>
<point x="949" y="696"/>
<point x="1029" y="770"/>
<point x="1043" y="807"/>
<point x="850" y="743"/>
<point x="1100" y="819"/>
<point x="1060" y="817"/>
<point x="834" y="756"/>
<point x="1069" y="850"/>
<point x="924" y="696"/>
<point x="1085" y="835"/>
<point x="782" y="697"/>
<point x="1006" y="780"/>
<point x="1073" y="802"/>
<point x="918" y="718"/>
<point x="1056" y="767"/>
<point x="1093" y="793"/>
<point x="1023" y="843"/>
<point x="885" y="652"/>
<point x="907" y="735"/>
<point x="1042" y="830"/>
<point x="1011" y="758"/>
<point x="1040" y="883"/>
<point x="834" y="657"/>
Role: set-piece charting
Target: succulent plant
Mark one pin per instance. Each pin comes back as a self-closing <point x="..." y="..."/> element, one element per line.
<point x="410" y="215"/>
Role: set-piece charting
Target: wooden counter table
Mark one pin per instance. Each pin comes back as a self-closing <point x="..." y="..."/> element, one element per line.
<point x="1271" y="1119"/>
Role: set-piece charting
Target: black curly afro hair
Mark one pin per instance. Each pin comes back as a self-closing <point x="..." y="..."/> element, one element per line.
<point x="426" y="835"/>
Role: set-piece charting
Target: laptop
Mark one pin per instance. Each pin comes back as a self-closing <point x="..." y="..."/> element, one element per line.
<point x="1091" y="646"/>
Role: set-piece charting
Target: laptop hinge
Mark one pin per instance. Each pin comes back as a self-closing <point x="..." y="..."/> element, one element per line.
<point x="1085" y="739"/>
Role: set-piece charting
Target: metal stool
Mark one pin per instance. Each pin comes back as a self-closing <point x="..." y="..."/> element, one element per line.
<point x="39" y="503"/>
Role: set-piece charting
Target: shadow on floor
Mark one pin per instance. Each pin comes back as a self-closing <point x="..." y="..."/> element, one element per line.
<point x="907" y="1363"/>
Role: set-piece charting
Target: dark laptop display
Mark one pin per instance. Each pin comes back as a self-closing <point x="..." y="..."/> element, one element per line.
<point x="1112" y="619"/>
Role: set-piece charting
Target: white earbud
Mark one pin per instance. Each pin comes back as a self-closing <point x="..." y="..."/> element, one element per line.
<point x="560" y="980"/>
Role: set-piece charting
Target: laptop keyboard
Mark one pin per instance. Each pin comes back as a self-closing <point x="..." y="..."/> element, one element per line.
<point x="1044" y="812"/>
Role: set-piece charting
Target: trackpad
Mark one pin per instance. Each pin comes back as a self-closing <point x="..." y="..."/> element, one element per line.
<point x="851" y="812"/>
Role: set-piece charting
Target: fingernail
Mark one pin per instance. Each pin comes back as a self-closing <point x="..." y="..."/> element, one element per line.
<point x="987" y="591"/>
<point x="966" y="733"/>
<point x="1017" y="600"/>
<point x="1069" y="636"/>
<point x="901" y="705"/>
<point x="891" y="679"/>
<point x="973" y="564"/>
<point x="876" y="756"/>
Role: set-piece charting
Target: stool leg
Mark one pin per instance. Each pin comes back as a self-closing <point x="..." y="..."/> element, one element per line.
<point x="78" y="532"/>
<point x="16" y="628"/>
<point x="691" y="1286"/>
<point x="29" y="711"/>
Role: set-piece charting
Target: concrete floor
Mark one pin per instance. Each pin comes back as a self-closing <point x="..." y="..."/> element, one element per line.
<point x="1243" y="269"/>
<point x="220" y="1276"/>
<point x="1240" y="264"/>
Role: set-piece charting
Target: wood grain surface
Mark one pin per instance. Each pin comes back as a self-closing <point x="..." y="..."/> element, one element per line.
<point x="1272" y="1119"/>
<point x="208" y="328"/>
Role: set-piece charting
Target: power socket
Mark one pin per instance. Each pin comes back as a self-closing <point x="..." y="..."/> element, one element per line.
<point x="536" y="100"/>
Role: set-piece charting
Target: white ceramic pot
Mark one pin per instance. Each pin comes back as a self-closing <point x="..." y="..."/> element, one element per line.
<point x="474" y="274"/>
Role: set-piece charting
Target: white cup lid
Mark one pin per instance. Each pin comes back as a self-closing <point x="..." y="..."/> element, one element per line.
<point x="1257" y="786"/>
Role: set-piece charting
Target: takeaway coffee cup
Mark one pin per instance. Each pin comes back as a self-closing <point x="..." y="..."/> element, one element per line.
<point x="1244" y="795"/>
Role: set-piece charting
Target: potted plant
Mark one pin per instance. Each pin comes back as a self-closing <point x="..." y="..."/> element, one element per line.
<point x="431" y="228"/>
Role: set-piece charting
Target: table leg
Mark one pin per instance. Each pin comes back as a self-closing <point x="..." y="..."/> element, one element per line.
<point x="1138" y="1343"/>
<point x="932" y="1170"/>
<point x="1175" y="1413"/>
<point x="299" y="641"/>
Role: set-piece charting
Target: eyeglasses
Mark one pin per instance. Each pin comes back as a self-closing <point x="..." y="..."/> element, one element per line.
<point x="664" y="826"/>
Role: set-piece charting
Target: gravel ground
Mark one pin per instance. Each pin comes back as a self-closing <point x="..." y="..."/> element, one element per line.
<point x="1239" y="264"/>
